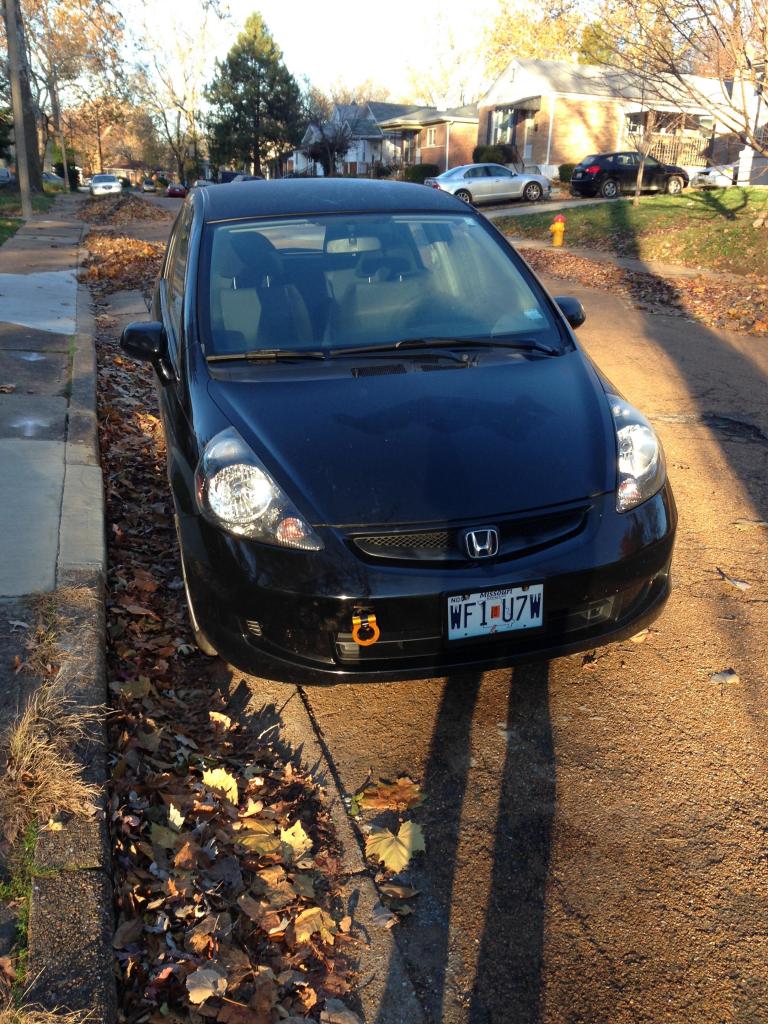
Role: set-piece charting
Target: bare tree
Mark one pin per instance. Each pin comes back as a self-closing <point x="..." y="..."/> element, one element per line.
<point x="706" y="54"/>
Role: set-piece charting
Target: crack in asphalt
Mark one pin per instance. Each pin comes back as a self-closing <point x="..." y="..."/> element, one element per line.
<point x="734" y="426"/>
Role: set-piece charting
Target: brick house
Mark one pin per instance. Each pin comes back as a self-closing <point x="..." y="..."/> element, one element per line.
<point x="430" y="136"/>
<point x="556" y="113"/>
<point x="396" y="134"/>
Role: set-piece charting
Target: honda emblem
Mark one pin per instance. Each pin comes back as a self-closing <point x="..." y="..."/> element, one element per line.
<point x="482" y="543"/>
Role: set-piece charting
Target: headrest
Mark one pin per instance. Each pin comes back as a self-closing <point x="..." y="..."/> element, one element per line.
<point x="255" y="254"/>
<point x="383" y="268"/>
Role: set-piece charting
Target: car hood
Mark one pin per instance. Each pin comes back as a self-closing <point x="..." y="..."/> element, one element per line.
<point x="504" y="436"/>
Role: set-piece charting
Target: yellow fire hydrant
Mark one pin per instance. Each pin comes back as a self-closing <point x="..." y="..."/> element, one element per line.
<point x="557" y="230"/>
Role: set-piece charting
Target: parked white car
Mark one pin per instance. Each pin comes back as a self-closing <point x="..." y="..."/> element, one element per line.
<point x="105" y="184"/>
<point x="712" y="177"/>
<point x="488" y="183"/>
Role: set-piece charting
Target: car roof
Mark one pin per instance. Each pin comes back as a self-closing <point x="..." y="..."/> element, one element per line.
<point x="294" y="196"/>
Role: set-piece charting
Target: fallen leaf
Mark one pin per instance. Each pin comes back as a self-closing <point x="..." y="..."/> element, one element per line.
<point x="751" y="524"/>
<point x="396" y="796"/>
<point x="220" y="781"/>
<point x="165" y="837"/>
<point x="250" y="907"/>
<point x="220" y="719"/>
<point x="296" y="839"/>
<point x="336" y="1012"/>
<point x="127" y="933"/>
<point x="640" y="637"/>
<point x="175" y="817"/>
<point x="728" y="675"/>
<point x="383" y="917"/>
<point x="398" y="892"/>
<point x="395" y="851"/>
<point x="309" y="922"/>
<point x="739" y="584"/>
<point x="204" y="983"/>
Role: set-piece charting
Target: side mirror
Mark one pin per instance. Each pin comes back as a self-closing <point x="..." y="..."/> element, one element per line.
<point x="145" y="342"/>
<point x="572" y="310"/>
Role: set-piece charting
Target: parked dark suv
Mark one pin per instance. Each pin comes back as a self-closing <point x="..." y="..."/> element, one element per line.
<point x="610" y="174"/>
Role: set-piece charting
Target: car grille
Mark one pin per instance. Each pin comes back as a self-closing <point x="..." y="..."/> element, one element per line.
<point x="517" y="537"/>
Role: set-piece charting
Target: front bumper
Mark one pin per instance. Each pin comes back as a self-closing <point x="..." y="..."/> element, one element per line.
<point x="288" y="614"/>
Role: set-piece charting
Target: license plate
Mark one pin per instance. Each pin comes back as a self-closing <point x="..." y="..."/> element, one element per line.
<point x="495" y="611"/>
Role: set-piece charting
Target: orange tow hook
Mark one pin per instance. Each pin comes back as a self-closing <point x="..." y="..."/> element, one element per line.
<point x="364" y="629"/>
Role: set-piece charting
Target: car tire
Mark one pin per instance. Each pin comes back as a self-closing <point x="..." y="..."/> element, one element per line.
<point x="675" y="185"/>
<point x="202" y="641"/>
<point x="463" y="195"/>
<point x="609" y="189"/>
<point x="533" y="192"/>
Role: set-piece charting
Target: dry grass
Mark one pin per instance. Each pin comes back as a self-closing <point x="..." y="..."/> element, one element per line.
<point x="31" y="1015"/>
<point x="41" y="777"/>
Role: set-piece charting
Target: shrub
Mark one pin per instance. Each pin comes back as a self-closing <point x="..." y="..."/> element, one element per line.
<point x="501" y="153"/>
<point x="565" y="171"/>
<point x="420" y="172"/>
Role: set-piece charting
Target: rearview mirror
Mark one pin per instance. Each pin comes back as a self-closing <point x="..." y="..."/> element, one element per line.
<point x="572" y="310"/>
<point x="144" y="341"/>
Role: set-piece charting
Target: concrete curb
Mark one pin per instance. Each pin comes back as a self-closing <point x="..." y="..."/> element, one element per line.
<point x="71" y="918"/>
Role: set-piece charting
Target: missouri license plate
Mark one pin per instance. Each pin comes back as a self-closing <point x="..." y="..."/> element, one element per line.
<point x="495" y="611"/>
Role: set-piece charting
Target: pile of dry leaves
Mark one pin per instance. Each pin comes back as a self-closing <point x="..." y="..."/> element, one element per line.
<point x="120" y="210"/>
<point x="118" y="263"/>
<point x="224" y="857"/>
<point x="736" y="305"/>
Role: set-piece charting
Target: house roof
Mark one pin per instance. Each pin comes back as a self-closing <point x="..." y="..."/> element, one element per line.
<point x="419" y="116"/>
<point x="593" y="80"/>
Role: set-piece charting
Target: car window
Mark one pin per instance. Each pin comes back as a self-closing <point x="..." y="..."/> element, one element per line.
<point x="478" y="172"/>
<point x="652" y="162"/>
<point x="100" y="178"/>
<point x="356" y="279"/>
<point x="626" y="159"/>
<point x="501" y="172"/>
<point x="176" y="271"/>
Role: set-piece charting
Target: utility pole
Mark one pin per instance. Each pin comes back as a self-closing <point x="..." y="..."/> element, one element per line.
<point x="15" y="59"/>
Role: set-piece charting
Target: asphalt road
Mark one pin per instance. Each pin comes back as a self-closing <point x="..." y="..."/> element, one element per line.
<point x="596" y="832"/>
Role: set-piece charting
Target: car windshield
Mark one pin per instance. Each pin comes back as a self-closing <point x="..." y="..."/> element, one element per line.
<point x="102" y="178"/>
<point x="349" y="281"/>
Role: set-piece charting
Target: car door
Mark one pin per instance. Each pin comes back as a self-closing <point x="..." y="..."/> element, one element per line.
<point x="502" y="183"/>
<point x="478" y="181"/>
<point x="173" y="392"/>
<point x="654" y="175"/>
<point x="624" y="170"/>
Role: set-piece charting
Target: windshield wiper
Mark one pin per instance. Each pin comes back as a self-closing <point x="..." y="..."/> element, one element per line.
<point x="266" y="355"/>
<point x="525" y="345"/>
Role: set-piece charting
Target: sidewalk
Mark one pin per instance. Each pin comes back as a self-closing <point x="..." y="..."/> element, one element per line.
<point x="51" y="520"/>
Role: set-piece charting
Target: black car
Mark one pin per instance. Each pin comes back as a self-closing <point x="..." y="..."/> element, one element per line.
<point x="610" y="174"/>
<point x="388" y="454"/>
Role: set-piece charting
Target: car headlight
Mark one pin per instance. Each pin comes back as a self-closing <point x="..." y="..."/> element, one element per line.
<point x="234" y="491"/>
<point x="640" y="463"/>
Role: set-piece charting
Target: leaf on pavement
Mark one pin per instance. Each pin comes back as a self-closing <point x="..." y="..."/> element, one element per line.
<point x="308" y="923"/>
<point x="175" y="817"/>
<point x="395" y="851"/>
<point x="728" y="675"/>
<point x="383" y="917"/>
<point x="739" y="584"/>
<point x="336" y="1012"/>
<point x="221" y="782"/>
<point x="751" y="524"/>
<point x="396" y="796"/>
<point x="204" y="983"/>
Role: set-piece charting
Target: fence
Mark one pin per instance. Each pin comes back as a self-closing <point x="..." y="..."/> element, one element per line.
<point x="683" y="150"/>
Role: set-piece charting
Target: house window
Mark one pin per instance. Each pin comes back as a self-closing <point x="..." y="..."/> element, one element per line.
<point x="431" y="136"/>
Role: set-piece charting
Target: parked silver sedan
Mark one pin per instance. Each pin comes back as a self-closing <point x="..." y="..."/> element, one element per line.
<point x="104" y="185"/>
<point x="490" y="183"/>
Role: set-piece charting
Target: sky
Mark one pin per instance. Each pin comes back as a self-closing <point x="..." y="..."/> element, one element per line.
<point x="327" y="40"/>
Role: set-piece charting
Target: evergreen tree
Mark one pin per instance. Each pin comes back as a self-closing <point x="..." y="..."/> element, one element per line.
<point x="256" y="103"/>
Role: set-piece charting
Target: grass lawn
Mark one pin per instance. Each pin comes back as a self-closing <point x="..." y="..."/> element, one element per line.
<point x="701" y="228"/>
<point x="10" y="212"/>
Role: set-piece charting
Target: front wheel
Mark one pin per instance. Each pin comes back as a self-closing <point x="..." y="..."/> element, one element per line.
<point x="463" y="195"/>
<point x="533" y="191"/>
<point x="675" y="185"/>
<point x="609" y="189"/>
